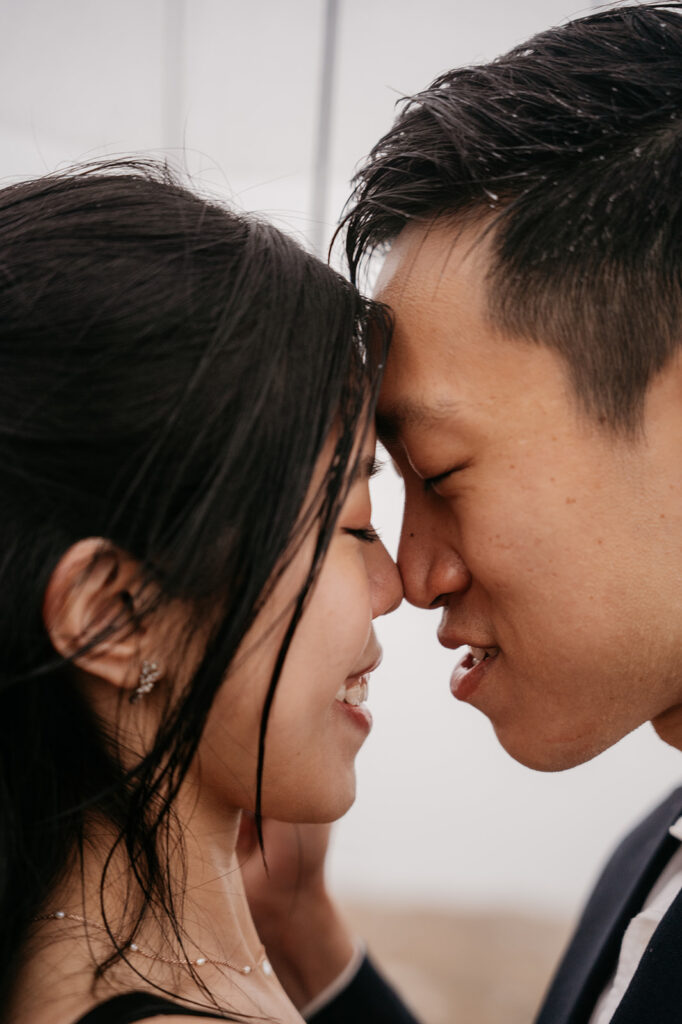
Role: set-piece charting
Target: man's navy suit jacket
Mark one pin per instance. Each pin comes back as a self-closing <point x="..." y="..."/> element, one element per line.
<point x="655" y="994"/>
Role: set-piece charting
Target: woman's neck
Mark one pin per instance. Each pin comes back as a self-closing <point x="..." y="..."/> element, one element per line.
<point x="218" y="935"/>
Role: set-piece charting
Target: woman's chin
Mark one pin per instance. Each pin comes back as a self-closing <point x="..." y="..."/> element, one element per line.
<point x="319" y="808"/>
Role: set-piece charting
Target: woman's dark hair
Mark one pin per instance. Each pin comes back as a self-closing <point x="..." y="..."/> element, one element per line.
<point x="569" y="149"/>
<point x="170" y="372"/>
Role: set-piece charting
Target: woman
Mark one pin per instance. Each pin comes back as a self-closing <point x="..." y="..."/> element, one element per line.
<point x="188" y="576"/>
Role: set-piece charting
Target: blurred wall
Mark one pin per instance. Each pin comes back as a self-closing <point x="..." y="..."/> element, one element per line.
<point x="229" y="90"/>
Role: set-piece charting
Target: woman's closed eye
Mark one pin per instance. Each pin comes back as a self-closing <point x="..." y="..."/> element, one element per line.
<point x="367" y="534"/>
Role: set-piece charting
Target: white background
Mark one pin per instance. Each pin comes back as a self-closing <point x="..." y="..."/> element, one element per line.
<point x="229" y="89"/>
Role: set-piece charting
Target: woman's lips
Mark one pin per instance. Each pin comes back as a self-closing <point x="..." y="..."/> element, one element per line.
<point x="351" y="697"/>
<point x="469" y="672"/>
<point x="355" y="688"/>
<point x="358" y="714"/>
<point x="354" y="691"/>
<point x="351" y="701"/>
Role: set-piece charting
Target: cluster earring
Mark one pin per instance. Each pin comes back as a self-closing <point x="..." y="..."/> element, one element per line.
<point x="149" y="673"/>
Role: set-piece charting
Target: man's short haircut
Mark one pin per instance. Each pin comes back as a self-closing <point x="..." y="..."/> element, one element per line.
<point x="570" y="146"/>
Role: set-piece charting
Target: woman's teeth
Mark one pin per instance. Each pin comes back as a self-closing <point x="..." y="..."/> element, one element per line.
<point x="479" y="653"/>
<point x="356" y="694"/>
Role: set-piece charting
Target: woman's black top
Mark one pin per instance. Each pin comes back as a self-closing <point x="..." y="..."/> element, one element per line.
<point x="134" y="1006"/>
<point x="367" y="998"/>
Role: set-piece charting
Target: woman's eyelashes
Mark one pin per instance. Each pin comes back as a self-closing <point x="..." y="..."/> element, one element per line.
<point x="376" y="466"/>
<point x="367" y="534"/>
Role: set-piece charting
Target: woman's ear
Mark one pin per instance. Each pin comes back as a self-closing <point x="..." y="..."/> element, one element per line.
<point x="89" y="611"/>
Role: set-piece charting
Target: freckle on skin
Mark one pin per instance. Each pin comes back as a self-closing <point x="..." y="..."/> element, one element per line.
<point x="411" y="536"/>
<point x="570" y="501"/>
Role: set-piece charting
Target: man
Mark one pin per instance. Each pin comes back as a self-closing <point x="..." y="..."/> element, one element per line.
<point x="532" y="402"/>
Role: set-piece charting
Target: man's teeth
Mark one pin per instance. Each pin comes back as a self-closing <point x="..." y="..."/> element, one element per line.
<point x="355" y="695"/>
<point x="479" y="653"/>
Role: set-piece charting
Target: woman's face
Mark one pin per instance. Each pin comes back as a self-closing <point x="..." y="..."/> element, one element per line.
<point x="319" y="718"/>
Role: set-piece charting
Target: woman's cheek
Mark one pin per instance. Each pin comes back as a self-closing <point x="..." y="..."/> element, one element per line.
<point x="344" y="604"/>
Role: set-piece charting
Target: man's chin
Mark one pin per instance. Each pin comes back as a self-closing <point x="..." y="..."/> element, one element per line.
<point x="669" y="726"/>
<point x="550" y="755"/>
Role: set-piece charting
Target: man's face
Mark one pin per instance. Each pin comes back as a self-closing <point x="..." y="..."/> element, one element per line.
<point x="540" y="534"/>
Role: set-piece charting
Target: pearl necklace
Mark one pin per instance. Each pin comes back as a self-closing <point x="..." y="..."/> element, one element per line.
<point x="262" y="962"/>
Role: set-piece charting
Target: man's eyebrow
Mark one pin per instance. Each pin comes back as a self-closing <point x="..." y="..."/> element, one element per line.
<point x="392" y="420"/>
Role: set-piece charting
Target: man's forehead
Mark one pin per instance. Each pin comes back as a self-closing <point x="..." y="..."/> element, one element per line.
<point x="426" y="256"/>
<point x="396" y="415"/>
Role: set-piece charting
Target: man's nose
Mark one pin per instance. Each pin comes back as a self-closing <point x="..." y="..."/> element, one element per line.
<point x="430" y="566"/>
<point x="386" y="585"/>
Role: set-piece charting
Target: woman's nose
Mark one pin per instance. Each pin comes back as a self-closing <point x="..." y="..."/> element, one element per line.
<point x="385" y="582"/>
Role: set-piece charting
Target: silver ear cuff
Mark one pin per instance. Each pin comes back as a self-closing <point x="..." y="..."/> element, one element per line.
<point x="149" y="673"/>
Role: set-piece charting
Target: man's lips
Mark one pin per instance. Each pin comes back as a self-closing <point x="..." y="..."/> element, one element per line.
<point x="481" y="653"/>
<point x="452" y="637"/>
<point x="471" y="669"/>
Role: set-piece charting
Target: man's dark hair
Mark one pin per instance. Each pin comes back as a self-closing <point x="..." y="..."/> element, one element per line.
<point x="570" y="147"/>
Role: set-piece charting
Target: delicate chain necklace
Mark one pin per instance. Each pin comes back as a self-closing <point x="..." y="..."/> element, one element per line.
<point x="262" y="961"/>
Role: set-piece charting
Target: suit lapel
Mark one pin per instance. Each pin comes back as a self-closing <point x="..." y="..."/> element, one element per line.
<point x="655" y="992"/>
<point x="618" y="896"/>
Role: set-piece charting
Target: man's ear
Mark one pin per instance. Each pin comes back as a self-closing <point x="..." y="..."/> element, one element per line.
<point x="89" y="613"/>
